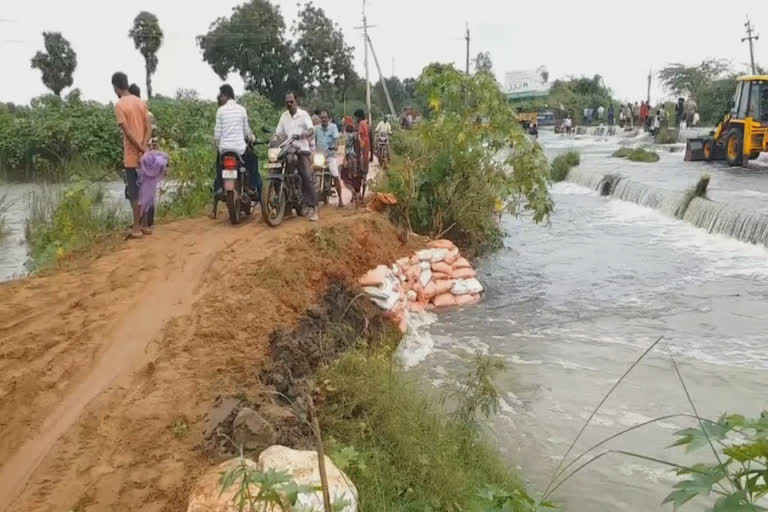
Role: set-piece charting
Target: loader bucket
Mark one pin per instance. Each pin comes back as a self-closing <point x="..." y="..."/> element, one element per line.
<point x="694" y="150"/>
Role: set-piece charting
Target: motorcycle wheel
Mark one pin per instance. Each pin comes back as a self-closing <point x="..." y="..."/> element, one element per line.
<point x="233" y="205"/>
<point x="273" y="202"/>
<point x="321" y="188"/>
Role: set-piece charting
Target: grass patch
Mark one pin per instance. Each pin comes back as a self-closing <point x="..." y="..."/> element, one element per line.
<point x="399" y="447"/>
<point x="562" y="164"/>
<point x="61" y="221"/>
<point x="5" y="206"/>
<point x="637" y="155"/>
<point x="667" y="136"/>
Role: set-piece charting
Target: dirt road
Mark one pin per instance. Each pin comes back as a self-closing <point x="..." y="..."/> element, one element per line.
<point x="108" y="368"/>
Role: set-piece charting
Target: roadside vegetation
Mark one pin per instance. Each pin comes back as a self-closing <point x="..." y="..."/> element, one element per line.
<point x="573" y="96"/>
<point x="470" y="156"/>
<point x="562" y="164"/>
<point x="401" y="449"/>
<point x="667" y="136"/>
<point x="5" y="206"/>
<point x="637" y="155"/>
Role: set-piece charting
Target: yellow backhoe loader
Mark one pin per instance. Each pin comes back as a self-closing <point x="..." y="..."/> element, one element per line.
<point x="742" y="133"/>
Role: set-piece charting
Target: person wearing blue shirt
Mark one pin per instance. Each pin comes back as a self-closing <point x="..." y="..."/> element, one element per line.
<point x="326" y="141"/>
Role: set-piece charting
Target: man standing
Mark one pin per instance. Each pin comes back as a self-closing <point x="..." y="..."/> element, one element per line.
<point x="232" y="134"/>
<point x="326" y="140"/>
<point x="384" y="127"/>
<point x="295" y="123"/>
<point x="600" y="113"/>
<point x="133" y="119"/>
<point x="611" y="115"/>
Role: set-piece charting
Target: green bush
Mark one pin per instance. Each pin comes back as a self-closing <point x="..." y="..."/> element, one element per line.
<point x="64" y="220"/>
<point x="401" y="450"/>
<point x="455" y="169"/>
<point x="667" y="136"/>
<point x="637" y="155"/>
<point x="562" y="164"/>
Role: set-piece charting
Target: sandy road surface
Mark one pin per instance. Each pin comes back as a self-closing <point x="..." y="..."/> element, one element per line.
<point x="98" y="362"/>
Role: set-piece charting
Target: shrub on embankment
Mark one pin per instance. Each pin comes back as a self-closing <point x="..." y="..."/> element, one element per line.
<point x="637" y="155"/>
<point x="399" y="447"/>
<point x="562" y="164"/>
<point x="55" y="139"/>
<point x="455" y="169"/>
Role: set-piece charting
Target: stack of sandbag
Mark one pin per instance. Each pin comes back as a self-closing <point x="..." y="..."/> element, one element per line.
<point x="433" y="278"/>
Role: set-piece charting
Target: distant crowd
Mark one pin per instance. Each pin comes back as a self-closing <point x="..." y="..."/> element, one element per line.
<point x="640" y="115"/>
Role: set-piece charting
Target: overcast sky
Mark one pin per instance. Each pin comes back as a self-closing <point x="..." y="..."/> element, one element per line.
<point x="618" y="39"/>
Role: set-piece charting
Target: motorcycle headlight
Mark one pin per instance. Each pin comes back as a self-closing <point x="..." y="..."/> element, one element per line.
<point x="273" y="154"/>
<point x="318" y="160"/>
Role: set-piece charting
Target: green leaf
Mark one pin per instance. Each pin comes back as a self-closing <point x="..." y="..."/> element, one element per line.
<point x="749" y="451"/>
<point x="695" y="438"/>
<point x="737" y="502"/>
<point x="680" y="497"/>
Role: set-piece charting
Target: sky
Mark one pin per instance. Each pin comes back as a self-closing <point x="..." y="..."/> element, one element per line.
<point x="618" y="39"/>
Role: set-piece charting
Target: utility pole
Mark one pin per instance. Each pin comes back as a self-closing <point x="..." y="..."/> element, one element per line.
<point x="467" y="38"/>
<point x="650" y="75"/>
<point x="367" y="78"/>
<point x="750" y="38"/>
<point x="382" y="79"/>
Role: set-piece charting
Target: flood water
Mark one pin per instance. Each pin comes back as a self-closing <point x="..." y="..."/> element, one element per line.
<point x="570" y="306"/>
<point x="13" y="249"/>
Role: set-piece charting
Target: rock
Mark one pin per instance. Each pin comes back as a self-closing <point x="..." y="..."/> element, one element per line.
<point x="207" y="495"/>
<point x="303" y="466"/>
<point x="251" y="431"/>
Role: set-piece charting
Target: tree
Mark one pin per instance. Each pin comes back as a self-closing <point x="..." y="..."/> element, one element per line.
<point x="57" y="63"/>
<point x="684" y="80"/>
<point x="483" y="63"/>
<point x="147" y="37"/>
<point x="396" y="91"/>
<point x="252" y="43"/>
<point x="323" y="56"/>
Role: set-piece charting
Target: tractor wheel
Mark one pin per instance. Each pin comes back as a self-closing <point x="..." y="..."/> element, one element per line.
<point x="734" y="145"/>
<point x="709" y="150"/>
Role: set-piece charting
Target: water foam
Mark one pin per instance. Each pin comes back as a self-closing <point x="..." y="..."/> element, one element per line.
<point x="418" y="343"/>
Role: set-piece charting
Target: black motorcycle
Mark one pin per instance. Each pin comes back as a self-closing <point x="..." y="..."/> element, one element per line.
<point x="283" y="187"/>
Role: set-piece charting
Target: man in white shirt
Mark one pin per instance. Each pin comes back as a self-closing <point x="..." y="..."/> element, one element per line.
<point x="232" y="134"/>
<point x="384" y="127"/>
<point x="295" y="123"/>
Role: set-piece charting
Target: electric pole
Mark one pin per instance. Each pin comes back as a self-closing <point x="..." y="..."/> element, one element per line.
<point x="467" y="38"/>
<point x="750" y="38"/>
<point x="650" y="75"/>
<point x="367" y="77"/>
<point x="382" y="79"/>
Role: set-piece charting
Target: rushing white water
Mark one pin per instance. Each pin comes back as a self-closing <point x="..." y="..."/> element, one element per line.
<point x="569" y="306"/>
<point x="725" y="219"/>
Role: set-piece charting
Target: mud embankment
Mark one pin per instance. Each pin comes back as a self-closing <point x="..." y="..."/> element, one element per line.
<point x="228" y="304"/>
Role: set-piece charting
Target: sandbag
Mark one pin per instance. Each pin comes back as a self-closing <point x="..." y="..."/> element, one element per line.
<point x="461" y="263"/>
<point x="416" y="307"/>
<point x="430" y="290"/>
<point x="432" y="255"/>
<point x="466" y="300"/>
<point x="452" y="256"/>
<point x="411" y="295"/>
<point x="414" y="260"/>
<point x="443" y="267"/>
<point x="426" y="277"/>
<point x="444" y="300"/>
<point x="463" y="273"/>
<point x="403" y="262"/>
<point x="441" y="244"/>
<point x="467" y="287"/>
<point x="443" y="286"/>
<point x="384" y="297"/>
<point x="440" y="276"/>
<point x="374" y="277"/>
<point x="425" y="265"/>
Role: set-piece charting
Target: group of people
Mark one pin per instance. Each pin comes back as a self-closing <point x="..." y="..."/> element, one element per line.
<point x="232" y="134"/>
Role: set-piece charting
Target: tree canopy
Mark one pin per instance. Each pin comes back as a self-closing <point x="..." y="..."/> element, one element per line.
<point x="147" y="37"/>
<point x="57" y="63"/>
<point x="710" y="84"/>
<point x="483" y="63"/>
<point x="253" y="43"/>
<point x="323" y="56"/>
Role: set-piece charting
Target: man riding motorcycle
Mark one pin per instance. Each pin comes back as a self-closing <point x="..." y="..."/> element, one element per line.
<point x="326" y="140"/>
<point x="383" y="132"/>
<point x="233" y="134"/>
<point x="296" y="124"/>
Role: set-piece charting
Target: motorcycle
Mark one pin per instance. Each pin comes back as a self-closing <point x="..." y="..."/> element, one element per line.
<point x="322" y="177"/>
<point x="283" y="187"/>
<point x="382" y="150"/>
<point x="234" y="176"/>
